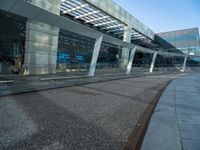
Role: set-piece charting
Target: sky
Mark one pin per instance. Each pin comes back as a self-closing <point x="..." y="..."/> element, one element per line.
<point x="164" y="15"/>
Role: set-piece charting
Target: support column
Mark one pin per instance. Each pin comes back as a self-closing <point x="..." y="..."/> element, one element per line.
<point x="95" y="55"/>
<point x="130" y="63"/>
<point x="125" y="51"/>
<point x="153" y="62"/>
<point x="184" y="64"/>
<point x="42" y="41"/>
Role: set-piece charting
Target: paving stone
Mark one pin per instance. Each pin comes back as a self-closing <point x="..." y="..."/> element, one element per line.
<point x="176" y="122"/>
<point x="191" y="144"/>
<point x="188" y="119"/>
<point x="190" y="131"/>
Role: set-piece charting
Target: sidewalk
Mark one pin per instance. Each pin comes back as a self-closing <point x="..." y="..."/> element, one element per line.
<point x="175" y="123"/>
<point x="23" y="84"/>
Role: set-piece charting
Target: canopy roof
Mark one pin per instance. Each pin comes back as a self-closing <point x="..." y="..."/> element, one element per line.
<point x="113" y="22"/>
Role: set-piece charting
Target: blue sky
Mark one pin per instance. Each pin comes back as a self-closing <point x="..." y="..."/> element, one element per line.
<point x="164" y="15"/>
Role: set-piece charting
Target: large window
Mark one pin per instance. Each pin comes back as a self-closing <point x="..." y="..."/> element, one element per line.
<point x="180" y="38"/>
<point x="12" y="41"/>
<point x="74" y="52"/>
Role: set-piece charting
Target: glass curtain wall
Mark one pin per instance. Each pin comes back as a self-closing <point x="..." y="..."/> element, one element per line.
<point x="167" y="63"/>
<point x="141" y="62"/>
<point x="109" y="59"/>
<point x="74" y="52"/>
<point x="12" y="43"/>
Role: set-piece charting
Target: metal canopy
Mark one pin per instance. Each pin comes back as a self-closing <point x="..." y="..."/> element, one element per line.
<point x="88" y="14"/>
<point x="30" y="11"/>
<point x="92" y="16"/>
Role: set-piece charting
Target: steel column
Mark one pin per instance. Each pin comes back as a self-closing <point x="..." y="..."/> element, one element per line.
<point x="129" y="66"/>
<point x="153" y="62"/>
<point x="184" y="64"/>
<point x="95" y="55"/>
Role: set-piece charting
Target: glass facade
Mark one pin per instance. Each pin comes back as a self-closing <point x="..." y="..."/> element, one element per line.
<point x="109" y="56"/>
<point x="56" y="44"/>
<point x="187" y="41"/>
<point x="75" y="53"/>
<point x="181" y="38"/>
<point x="12" y="42"/>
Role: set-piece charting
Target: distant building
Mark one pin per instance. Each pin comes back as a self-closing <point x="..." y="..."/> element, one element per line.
<point x="187" y="40"/>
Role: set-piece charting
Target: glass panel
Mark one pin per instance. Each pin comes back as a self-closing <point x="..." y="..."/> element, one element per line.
<point x="74" y="52"/>
<point x="109" y="59"/>
<point x="12" y="43"/>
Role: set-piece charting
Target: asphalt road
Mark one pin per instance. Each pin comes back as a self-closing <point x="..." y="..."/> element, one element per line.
<point x="97" y="116"/>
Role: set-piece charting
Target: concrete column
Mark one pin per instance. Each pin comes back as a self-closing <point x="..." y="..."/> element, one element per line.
<point x="153" y="62"/>
<point x="42" y="41"/>
<point x="125" y="51"/>
<point x="184" y="64"/>
<point x="130" y="63"/>
<point x="95" y="55"/>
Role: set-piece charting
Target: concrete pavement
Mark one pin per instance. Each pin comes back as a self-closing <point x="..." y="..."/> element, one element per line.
<point x="95" y="116"/>
<point x="175" y="124"/>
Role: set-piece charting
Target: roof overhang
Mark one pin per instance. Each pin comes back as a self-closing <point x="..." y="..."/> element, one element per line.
<point x="30" y="11"/>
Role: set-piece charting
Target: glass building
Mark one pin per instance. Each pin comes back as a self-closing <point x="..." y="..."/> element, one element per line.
<point x="187" y="40"/>
<point x="45" y="37"/>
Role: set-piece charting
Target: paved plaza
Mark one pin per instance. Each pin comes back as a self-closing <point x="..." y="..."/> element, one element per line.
<point x="91" y="116"/>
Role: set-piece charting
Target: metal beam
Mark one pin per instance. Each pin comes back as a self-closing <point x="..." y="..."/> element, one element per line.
<point x="137" y="38"/>
<point x="119" y="33"/>
<point x="114" y="26"/>
<point x="97" y="19"/>
<point x="87" y="14"/>
<point x="116" y="30"/>
<point x="105" y="23"/>
<point x="75" y="8"/>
